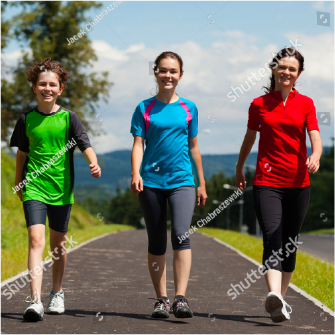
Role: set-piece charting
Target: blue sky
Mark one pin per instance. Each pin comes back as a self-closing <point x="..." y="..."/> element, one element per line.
<point x="221" y="42"/>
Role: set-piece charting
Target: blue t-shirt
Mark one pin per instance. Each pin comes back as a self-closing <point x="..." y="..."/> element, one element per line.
<point x="166" y="129"/>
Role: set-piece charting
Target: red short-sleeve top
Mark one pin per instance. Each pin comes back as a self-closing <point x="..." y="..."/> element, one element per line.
<point x="282" y="152"/>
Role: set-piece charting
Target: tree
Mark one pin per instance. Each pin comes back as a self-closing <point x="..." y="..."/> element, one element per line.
<point x="125" y="208"/>
<point x="320" y="212"/>
<point x="46" y="25"/>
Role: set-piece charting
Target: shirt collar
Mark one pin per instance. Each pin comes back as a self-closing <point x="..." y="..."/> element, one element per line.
<point x="278" y="94"/>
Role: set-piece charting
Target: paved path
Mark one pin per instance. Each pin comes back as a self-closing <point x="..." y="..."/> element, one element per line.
<point x="110" y="276"/>
<point x="321" y="246"/>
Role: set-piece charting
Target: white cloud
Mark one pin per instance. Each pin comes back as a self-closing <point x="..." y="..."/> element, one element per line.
<point x="327" y="6"/>
<point x="209" y="74"/>
<point x="106" y="51"/>
<point x="108" y="142"/>
<point x="318" y="51"/>
<point x="12" y="58"/>
<point x="135" y="48"/>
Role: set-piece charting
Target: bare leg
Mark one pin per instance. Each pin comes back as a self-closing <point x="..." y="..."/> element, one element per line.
<point x="182" y="260"/>
<point x="58" y="267"/>
<point x="157" y="269"/>
<point x="36" y="236"/>
<point x="273" y="280"/>
<point x="286" y="277"/>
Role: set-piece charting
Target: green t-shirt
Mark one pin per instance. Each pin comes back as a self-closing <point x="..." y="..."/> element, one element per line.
<point x="49" y="141"/>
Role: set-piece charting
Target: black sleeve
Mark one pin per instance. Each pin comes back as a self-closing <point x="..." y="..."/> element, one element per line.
<point x="19" y="137"/>
<point x="78" y="133"/>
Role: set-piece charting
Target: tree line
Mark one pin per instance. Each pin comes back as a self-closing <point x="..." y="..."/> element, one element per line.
<point x="124" y="208"/>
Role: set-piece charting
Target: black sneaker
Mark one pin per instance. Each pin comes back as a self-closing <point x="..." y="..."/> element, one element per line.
<point x="162" y="308"/>
<point x="180" y="308"/>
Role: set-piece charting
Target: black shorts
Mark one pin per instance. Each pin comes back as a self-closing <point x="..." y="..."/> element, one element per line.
<point x="36" y="212"/>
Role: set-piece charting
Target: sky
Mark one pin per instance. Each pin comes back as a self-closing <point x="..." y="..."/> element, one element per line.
<point x="221" y="43"/>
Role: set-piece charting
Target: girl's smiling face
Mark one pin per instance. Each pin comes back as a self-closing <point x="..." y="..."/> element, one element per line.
<point x="168" y="74"/>
<point x="287" y="72"/>
<point x="47" y="88"/>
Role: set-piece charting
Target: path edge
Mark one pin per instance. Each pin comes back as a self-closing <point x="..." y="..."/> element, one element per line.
<point x="294" y="287"/>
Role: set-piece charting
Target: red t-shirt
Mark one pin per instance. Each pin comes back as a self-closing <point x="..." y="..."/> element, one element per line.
<point x="282" y="152"/>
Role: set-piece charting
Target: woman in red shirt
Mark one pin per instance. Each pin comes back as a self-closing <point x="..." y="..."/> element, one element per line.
<point x="281" y="183"/>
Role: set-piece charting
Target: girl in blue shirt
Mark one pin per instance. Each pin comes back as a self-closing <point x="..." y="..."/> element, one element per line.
<point x="168" y="125"/>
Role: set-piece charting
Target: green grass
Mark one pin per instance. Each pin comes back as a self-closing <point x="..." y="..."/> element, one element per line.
<point x="311" y="274"/>
<point x="14" y="236"/>
<point x="322" y="231"/>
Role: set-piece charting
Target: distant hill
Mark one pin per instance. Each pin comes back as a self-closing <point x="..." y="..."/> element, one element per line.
<point x="116" y="170"/>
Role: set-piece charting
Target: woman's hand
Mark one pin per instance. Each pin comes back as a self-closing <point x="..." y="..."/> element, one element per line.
<point x="313" y="163"/>
<point x="201" y="196"/>
<point x="240" y="180"/>
<point x="136" y="183"/>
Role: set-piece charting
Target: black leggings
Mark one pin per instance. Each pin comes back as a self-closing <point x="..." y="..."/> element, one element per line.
<point x="181" y="203"/>
<point x="280" y="212"/>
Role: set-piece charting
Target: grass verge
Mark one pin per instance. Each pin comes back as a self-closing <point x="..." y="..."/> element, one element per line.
<point x="311" y="274"/>
<point x="321" y="231"/>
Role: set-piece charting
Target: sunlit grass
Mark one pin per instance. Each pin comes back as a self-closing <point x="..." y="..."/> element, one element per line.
<point x="322" y="231"/>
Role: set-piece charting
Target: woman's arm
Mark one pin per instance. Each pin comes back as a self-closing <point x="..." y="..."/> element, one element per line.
<point x="313" y="161"/>
<point x="195" y="153"/>
<point x="20" y="160"/>
<point x="92" y="160"/>
<point x="248" y="142"/>
<point x="136" y="160"/>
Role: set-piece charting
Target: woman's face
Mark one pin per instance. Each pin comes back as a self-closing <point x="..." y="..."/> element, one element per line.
<point x="47" y="88"/>
<point x="168" y="74"/>
<point x="287" y="72"/>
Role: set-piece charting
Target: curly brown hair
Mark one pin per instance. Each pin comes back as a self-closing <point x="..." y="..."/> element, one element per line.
<point x="47" y="64"/>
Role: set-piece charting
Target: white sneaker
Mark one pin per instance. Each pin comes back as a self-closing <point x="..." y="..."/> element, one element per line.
<point x="56" y="305"/>
<point x="35" y="311"/>
<point x="276" y="306"/>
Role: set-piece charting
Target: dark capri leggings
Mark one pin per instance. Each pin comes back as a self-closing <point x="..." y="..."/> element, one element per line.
<point x="280" y="212"/>
<point x="154" y="208"/>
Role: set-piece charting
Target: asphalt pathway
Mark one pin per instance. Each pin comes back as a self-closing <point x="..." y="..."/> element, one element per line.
<point x="321" y="246"/>
<point x="108" y="280"/>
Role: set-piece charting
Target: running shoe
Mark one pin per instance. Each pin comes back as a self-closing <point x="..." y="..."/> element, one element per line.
<point x="35" y="311"/>
<point x="162" y="308"/>
<point x="180" y="308"/>
<point x="56" y="305"/>
<point x="276" y="306"/>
